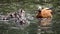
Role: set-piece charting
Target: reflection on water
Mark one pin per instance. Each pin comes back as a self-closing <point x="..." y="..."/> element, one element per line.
<point x="45" y="25"/>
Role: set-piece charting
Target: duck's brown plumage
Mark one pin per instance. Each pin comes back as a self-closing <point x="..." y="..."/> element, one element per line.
<point x="44" y="13"/>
